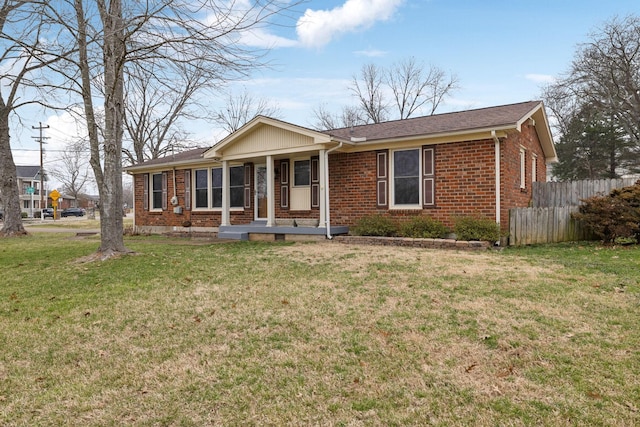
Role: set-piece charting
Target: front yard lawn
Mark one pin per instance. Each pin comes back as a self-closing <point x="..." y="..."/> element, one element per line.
<point x="317" y="334"/>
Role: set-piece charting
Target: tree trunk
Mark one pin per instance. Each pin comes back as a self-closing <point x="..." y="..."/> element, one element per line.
<point x="9" y="190"/>
<point x="110" y="186"/>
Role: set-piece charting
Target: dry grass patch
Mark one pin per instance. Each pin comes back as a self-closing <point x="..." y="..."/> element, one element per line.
<point x="322" y="334"/>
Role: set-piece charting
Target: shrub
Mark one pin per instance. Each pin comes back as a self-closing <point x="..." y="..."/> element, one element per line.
<point x="614" y="216"/>
<point x="423" y="227"/>
<point x="375" y="225"/>
<point x="473" y="228"/>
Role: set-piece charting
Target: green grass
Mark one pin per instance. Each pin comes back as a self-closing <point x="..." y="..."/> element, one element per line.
<point x="317" y="334"/>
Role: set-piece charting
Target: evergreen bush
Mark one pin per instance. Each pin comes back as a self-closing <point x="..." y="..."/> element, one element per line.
<point x="423" y="227"/>
<point x="614" y="216"/>
<point x="375" y="225"/>
<point x="473" y="228"/>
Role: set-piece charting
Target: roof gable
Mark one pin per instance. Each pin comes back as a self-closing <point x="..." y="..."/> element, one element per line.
<point x="266" y="135"/>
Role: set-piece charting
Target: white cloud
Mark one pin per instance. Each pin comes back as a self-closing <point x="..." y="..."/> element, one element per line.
<point x="371" y="53"/>
<point x="316" y="28"/>
<point x="262" y="39"/>
<point x="540" y="78"/>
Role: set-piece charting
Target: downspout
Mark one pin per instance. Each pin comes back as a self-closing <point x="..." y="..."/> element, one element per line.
<point x="497" y="161"/>
<point x="326" y="189"/>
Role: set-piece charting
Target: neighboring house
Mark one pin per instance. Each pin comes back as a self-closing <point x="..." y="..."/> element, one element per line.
<point x="29" y="188"/>
<point x="271" y="176"/>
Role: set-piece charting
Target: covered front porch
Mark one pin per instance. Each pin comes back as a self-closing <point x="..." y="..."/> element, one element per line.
<point x="287" y="230"/>
<point x="279" y="174"/>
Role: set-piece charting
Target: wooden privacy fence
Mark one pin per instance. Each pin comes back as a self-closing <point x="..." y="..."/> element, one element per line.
<point x="530" y="226"/>
<point x="570" y="193"/>
<point x="549" y="220"/>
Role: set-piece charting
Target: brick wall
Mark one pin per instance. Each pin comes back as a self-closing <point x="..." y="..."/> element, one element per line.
<point x="512" y="195"/>
<point x="464" y="186"/>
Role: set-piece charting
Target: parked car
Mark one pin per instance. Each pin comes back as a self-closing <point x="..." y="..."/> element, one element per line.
<point x="72" y="212"/>
<point x="47" y="213"/>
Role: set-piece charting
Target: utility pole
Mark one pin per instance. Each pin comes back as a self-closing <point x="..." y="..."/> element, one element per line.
<point x="41" y="140"/>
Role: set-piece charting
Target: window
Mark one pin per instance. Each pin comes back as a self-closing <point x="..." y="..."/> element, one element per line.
<point x="411" y="178"/>
<point x="523" y="177"/>
<point x="216" y="187"/>
<point x="534" y="168"/>
<point x="236" y="187"/>
<point x="406" y="177"/>
<point x="201" y="188"/>
<point x="301" y="173"/>
<point x="158" y="186"/>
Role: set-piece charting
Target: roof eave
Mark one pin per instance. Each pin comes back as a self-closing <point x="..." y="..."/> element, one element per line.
<point x="146" y="168"/>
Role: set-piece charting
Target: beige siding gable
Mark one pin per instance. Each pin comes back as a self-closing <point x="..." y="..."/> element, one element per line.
<point x="268" y="139"/>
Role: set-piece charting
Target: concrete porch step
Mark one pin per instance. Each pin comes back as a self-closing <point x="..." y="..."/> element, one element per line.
<point x="233" y="235"/>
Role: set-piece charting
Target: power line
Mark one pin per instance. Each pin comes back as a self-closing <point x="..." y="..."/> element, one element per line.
<point x="41" y="139"/>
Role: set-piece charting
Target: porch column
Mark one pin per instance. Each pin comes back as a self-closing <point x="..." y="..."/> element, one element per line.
<point x="324" y="182"/>
<point x="271" y="193"/>
<point x="225" y="194"/>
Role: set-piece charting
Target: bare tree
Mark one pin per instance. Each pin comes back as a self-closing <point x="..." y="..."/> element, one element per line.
<point x="23" y="31"/>
<point x="326" y="120"/>
<point x="156" y="104"/>
<point x="241" y="108"/>
<point x="368" y="89"/>
<point x="606" y="71"/>
<point x="412" y="88"/>
<point x="73" y="172"/>
<point x="604" y="80"/>
<point x="112" y="34"/>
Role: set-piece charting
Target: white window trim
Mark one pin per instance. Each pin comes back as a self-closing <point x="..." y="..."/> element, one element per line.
<point x="534" y="168"/>
<point x="152" y="208"/>
<point x="209" y="207"/>
<point x="392" y="176"/>
<point x="523" y="172"/>
<point x="194" y="190"/>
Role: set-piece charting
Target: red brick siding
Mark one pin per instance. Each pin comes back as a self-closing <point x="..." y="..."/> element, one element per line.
<point x="512" y="195"/>
<point x="464" y="185"/>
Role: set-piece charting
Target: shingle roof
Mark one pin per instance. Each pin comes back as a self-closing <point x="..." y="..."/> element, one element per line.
<point x="28" y="172"/>
<point x="490" y="117"/>
<point x="183" y="156"/>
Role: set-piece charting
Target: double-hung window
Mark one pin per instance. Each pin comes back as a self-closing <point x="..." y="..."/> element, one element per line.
<point x="406" y="178"/>
<point x="201" y="188"/>
<point x="236" y="187"/>
<point x="523" y="176"/>
<point x="157" y="188"/>
<point x="412" y="178"/>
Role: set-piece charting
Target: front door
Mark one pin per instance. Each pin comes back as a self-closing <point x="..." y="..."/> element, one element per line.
<point x="261" y="192"/>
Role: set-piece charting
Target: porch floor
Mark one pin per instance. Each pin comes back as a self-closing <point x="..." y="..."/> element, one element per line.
<point x="243" y="232"/>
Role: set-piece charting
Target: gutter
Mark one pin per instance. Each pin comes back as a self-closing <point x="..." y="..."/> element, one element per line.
<point x="497" y="162"/>
<point x="326" y="189"/>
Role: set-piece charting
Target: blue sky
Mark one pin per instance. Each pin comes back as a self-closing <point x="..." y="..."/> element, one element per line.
<point x="501" y="50"/>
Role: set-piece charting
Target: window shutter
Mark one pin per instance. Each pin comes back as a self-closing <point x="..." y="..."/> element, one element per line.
<point x="284" y="184"/>
<point x="187" y="190"/>
<point x="428" y="176"/>
<point x="145" y="192"/>
<point x="247" y="185"/>
<point x="315" y="182"/>
<point x="164" y="191"/>
<point x="382" y="178"/>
